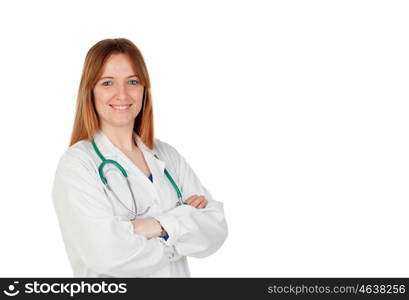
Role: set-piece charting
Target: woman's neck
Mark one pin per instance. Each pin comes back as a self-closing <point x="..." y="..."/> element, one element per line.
<point x="121" y="137"/>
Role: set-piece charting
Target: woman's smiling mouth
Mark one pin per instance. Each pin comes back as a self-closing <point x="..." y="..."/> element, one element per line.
<point x="121" y="107"/>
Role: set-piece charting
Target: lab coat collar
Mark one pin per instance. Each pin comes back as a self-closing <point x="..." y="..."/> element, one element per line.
<point x="110" y="151"/>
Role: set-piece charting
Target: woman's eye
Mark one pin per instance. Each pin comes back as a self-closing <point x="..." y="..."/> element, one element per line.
<point x="106" y="82"/>
<point x="134" y="82"/>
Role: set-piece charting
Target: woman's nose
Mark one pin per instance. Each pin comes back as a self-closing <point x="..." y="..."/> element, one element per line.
<point x="122" y="91"/>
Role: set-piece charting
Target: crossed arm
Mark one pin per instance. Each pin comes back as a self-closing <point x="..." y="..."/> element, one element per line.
<point x="151" y="228"/>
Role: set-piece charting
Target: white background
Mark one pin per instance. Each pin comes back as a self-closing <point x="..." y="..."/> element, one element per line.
<point x="292" y="113"/>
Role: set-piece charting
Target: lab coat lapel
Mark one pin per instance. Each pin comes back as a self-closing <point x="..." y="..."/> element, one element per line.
<point x="157" y="166"/>
<point x="166" y="195"/>
<point x="107" y="149"/>
<point x="149" y="154"/>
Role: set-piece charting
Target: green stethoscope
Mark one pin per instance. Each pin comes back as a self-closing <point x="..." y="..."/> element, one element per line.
<point x="116" y="164"/>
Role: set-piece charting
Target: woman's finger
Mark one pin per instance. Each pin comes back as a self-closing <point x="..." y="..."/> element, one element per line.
<point x="190" y="199"/>
<point x="196" y="202"/>
<point x="202" y="204"/>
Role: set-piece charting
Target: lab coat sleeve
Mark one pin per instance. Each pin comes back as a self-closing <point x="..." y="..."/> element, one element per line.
<point x="193" y="232"/>
<point x="105" y="244"/>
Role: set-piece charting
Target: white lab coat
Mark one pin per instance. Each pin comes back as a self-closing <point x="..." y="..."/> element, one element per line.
<point x="96" y="230"/>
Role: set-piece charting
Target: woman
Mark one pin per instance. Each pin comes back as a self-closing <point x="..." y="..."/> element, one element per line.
<point x="128" y="204"/>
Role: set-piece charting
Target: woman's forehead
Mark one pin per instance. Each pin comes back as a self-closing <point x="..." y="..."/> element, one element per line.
<point x="118" y="65"/>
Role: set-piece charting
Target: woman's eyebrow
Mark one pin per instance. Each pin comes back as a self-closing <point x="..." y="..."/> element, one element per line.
<point x="110" y="77"/>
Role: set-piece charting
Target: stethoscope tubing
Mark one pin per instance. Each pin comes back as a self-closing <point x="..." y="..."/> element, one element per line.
<point x="116" y="164"/>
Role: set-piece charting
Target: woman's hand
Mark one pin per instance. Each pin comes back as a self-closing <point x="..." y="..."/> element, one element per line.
<point x="196" y="201"/>
<point x="148" y="227"/>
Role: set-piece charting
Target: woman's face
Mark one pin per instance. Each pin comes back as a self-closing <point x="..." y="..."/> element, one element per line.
<point x="118" y="93"/>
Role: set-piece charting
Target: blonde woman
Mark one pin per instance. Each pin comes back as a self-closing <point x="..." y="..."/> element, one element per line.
<point x="128" y="205"/>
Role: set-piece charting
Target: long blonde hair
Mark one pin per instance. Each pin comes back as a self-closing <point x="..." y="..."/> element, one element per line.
<point x="86" y="121"/>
